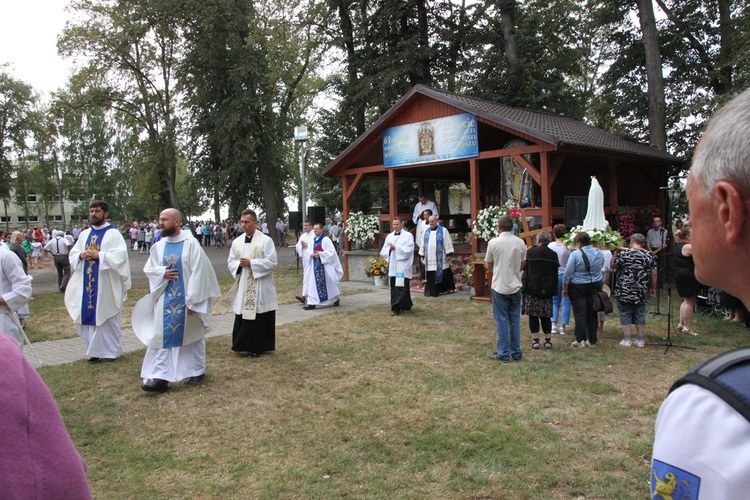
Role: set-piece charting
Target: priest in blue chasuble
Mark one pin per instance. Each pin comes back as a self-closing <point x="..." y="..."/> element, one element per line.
<point x="435" y="250"/>
<point x="98" y="286"/>
<point x="323" y="271"/>
<point x="174" y="318"/>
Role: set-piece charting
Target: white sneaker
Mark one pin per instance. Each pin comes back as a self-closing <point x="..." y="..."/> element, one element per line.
<point x="640" y="343"/>
<point x="626" y="343"/>
<point x="554" y="329"/>
<point x="589" y="344"/>
<point x="561" y="331"/>
<point x="578" y="344"/>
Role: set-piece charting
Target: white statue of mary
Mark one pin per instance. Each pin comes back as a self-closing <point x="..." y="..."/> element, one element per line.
<point x="595" y="213"/>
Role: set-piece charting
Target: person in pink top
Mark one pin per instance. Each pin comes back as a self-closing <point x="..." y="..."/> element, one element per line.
<point x="37" y="457"/>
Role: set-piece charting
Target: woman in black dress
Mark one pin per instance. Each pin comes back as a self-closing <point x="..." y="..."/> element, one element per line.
<point x="539" y="287"/>
<point x="684" y="277"/>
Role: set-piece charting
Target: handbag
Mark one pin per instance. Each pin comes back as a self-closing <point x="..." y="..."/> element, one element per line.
<point x="600" y="300"/>
<point x="602" y="303"/>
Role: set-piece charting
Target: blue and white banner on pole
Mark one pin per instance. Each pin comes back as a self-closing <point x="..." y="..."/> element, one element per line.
<point x="441" y="139"/>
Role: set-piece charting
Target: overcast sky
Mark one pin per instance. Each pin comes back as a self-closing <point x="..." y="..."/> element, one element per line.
<point x="28" y="42"/>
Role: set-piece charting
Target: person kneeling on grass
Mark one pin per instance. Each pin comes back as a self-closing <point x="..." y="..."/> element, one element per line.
<point x="636" y="266"/>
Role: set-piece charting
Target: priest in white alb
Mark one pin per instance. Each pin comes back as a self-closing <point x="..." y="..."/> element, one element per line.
<point x="398" y="250"/>
<point x="15" y="292"/>
<point x="323" y="271"/>
<point x="98" y="286"/>
<point x="305" y="240"/>
<point x="435" y="250"/>
<point x="174" y="318"/>
<point x="252" y="260"/>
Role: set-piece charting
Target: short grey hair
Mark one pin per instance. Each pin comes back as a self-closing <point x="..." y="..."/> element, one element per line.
<point x="543" y="237"/>
<point x="723" y="153"/>
<point x="638" y="238"/>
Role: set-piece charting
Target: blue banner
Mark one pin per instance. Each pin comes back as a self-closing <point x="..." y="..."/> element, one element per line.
<point x="441" y="139"/>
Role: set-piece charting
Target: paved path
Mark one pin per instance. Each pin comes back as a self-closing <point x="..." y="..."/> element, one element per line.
<point x="59" y="352"/>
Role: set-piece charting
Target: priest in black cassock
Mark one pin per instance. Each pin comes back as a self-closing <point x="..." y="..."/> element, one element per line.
<point x="398" y="250"/>
<point x="251" y="261"/>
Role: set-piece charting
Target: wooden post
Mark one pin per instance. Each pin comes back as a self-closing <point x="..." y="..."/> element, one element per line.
<point x="475" y="200"/>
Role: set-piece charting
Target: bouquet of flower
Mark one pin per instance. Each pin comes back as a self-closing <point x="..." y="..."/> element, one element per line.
<point x="485" y="226"/>
<point x="601" y="238"/>
<point x="376" y="267"/>
<point x="361" y="227"/>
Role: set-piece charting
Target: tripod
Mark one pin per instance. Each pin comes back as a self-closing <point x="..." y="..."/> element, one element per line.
<point x="296" y="262"/>
<point x="667" y="343"/>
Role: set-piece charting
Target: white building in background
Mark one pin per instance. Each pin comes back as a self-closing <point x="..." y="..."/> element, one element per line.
<point x="16" y="216"/>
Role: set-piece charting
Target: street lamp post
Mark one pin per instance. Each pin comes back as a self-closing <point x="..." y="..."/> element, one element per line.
<point x="300" y="135"/>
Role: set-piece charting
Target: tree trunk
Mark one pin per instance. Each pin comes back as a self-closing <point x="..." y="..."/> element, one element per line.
<point x="657" y="115"/>
<point x="507" y="13"/>
<point x="347" y="35"/>
<point x="726" y="32"/>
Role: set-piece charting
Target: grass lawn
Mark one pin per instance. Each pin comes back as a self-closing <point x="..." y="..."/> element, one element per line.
<point x="364" y="405"/>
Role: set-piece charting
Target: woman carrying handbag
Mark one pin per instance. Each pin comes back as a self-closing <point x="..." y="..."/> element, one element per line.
<point x="582" y="280"/>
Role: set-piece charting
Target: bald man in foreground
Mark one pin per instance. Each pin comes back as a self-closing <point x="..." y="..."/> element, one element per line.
<point x="703" y="427"/>
<point x="174" y="318"/>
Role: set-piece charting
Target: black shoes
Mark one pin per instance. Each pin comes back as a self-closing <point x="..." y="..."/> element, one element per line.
<point x="308" y="307"/>
<point x="300" y="298"/>
<point x="100" y="360"/>
<point x="195" y="380"/>
<point x="158" y="385"/>
<point x="395" y="312"/>
<point x="337" y="303"/>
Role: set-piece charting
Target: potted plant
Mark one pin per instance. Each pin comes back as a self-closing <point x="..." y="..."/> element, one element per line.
<point x="485" y="226"/>
<point x="377" y="268"/>
<point x="361" y="228"/>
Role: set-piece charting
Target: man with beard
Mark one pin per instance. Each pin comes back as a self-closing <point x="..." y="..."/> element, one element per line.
<point x="99" y="284"/>
<point x="398" y="249"/>
<point x="174" y="318"/>
<point x="322" y="271"/>
<point x="251" y="261"/>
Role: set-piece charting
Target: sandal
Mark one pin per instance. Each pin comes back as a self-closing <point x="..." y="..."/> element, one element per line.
<point x="690" y="332"/>
<point x="535" y="343"/>
<point x="547" y="344"/>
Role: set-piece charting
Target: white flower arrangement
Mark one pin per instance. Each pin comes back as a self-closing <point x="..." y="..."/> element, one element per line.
<point x="485" y="226"/>
<point x="361" y="227"/>
<point x="605" y="239"/>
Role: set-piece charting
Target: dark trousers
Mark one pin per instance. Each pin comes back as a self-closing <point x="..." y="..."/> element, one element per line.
<point x="62" y="264"/>
<point x="587" y="320"/>
<point x="534" y="324"/>
<point x="400" y="296"/>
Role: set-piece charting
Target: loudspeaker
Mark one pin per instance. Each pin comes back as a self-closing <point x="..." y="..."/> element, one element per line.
<point x="575" y="210"/>
<point x="295" y="221"/>
<point x="317" y="215"/>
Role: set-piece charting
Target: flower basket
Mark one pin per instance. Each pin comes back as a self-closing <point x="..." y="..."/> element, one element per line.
<point x="485" y="226"/>
<point x="605" y="239"/>
<point x="361" y="228"/>
<point x="377" y="266"/>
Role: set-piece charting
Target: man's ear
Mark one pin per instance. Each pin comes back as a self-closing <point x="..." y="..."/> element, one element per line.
<point x="733" y="211"/>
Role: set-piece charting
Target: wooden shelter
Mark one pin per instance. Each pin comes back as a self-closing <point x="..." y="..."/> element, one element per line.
<point x="543" y="157"/>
